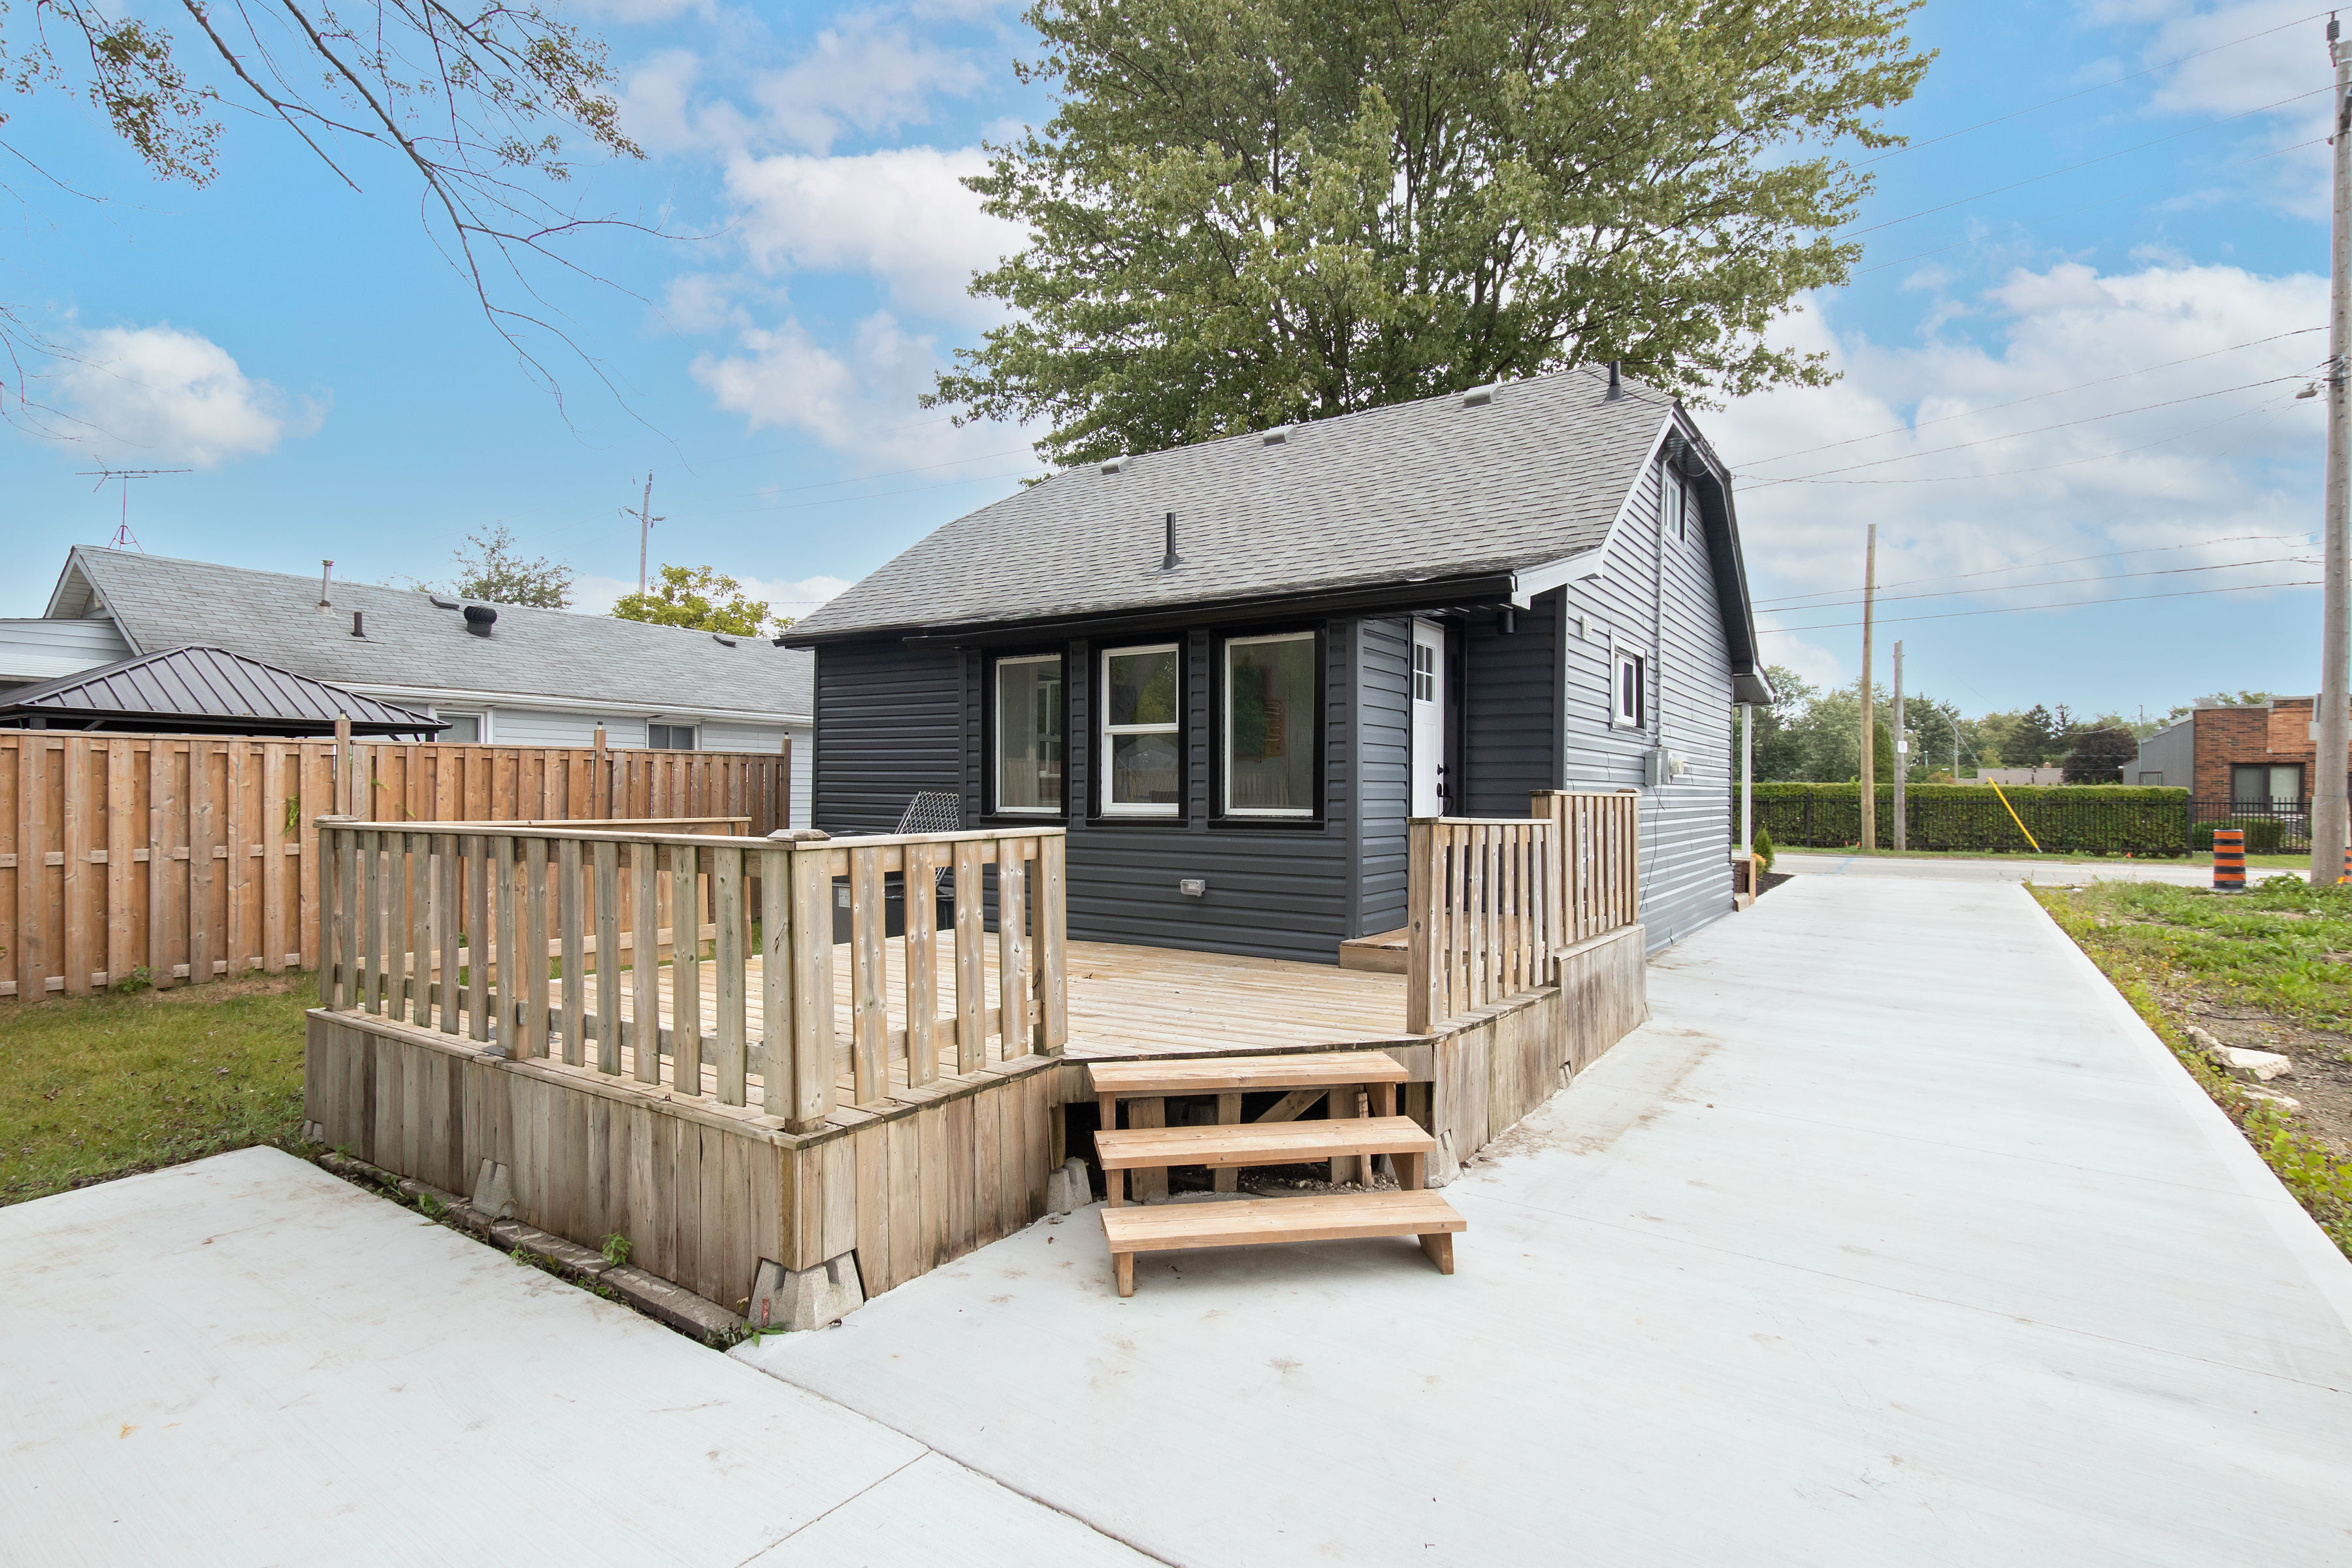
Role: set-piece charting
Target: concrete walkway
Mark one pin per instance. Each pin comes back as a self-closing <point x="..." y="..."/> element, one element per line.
<point x="245" y="1361"/>
<point x="2045" y="872"/>
<point x="1895" y="1238"/>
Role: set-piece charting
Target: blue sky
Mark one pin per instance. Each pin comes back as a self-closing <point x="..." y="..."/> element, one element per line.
<point x="307" y="353"/>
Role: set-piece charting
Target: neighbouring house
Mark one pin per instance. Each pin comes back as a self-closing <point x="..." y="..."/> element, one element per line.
<point x="2053" y="775"/>
<point x="496" y="674"/>
<point x="1233" y="670"/>
<point x="2253" y="756"/>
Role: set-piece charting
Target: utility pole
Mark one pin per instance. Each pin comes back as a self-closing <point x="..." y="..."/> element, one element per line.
<point x="1869" y="727"/>
<point x="1902" y="751"/>
<point x="646" y="520"/>
<point x="2329" y="736"/>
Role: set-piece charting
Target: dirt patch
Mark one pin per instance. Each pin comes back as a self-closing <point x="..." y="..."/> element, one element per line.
<point x="1771" y="880"/>
<point x="2321" y="1079"/>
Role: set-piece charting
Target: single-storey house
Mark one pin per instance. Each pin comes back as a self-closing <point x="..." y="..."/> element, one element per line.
<point x="1233" y="670"/>
<point x="2255" y="756"/>
<point x="497" y="674"/>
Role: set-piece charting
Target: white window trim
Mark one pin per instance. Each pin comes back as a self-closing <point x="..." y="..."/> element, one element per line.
<point x="997" y="740"/>
<point x="1674" y="502"/>
<point x="1225" y="739"/>
<point x="482" y="723"/>
<point x="1618" y="719"/>
<point x="1104" y="729"/>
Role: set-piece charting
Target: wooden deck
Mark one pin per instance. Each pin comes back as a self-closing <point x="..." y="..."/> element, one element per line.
<point x="1124" y="1002"/>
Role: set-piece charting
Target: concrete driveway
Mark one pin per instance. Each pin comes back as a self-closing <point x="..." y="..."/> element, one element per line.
<point x="2045" y="871"/>
<point x="245" y="1361"/>
<point x="1895" y="1238"/>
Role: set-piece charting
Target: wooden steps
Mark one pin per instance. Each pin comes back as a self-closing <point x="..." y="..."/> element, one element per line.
<point x="1261" y="1143"/>
<point x="1350" y="1141"/>
<point x="1262" y="1222"/>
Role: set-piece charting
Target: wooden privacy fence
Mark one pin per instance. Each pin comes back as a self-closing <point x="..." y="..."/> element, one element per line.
<point x="196" y="857"/>
<point x="412" y="907"/>
<point x="1493" y="901"/>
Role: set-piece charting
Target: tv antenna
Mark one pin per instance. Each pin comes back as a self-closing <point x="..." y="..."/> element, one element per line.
<point x="123" y="538"/>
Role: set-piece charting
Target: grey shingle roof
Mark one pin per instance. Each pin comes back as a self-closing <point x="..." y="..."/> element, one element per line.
<point x="1425" y="490"/>
<point x="275" y="616"/>
<point x="209" y="687"/>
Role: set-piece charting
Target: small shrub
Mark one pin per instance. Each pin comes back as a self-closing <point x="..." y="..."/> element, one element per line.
<point x="137" y="980"/>
<point x="1762" y="847"/>
<point x="616" y="1249"/>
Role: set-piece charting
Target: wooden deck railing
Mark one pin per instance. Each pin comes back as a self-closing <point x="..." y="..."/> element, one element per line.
<point x="1492" y="901"/>
<point x="619" y="911"/>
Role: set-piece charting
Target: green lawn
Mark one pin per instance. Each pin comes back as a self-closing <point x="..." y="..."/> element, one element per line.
<point x="2271" y="955"/>
<point x="92" y="1087"/>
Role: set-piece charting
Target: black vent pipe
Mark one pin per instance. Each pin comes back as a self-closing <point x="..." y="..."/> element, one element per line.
<point x="1172" y="561"/>
<point x="1615" y="390"/>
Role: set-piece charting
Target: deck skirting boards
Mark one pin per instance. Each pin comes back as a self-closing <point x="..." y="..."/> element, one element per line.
<point x="702" y="1192"/>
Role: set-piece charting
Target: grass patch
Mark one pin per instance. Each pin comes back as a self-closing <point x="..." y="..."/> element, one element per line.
<point x="98" y="1087"/>
<point x="2280" y="948"/>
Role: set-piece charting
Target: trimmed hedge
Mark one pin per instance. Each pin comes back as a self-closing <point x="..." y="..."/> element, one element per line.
<point x="2075" y="819"/>
<point x="2264" y="834"/>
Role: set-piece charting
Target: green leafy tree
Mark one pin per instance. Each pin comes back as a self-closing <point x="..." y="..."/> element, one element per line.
<point x="1780" y="749"/>
<point x="700" y="599"/>
<point x="482" y="108"/>
<point x="496" y="571"/>
<point x="2100" y="753"/>
<point x="1882" y="752"/>
<point x="1250" y="212"/>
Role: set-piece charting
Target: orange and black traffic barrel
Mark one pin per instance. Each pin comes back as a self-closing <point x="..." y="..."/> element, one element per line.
<point x="2230" y="858"/>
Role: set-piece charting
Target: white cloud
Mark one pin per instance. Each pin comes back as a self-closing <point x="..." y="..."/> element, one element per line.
<point x="902" y="217"/>
<point x="162" y="395"/>
<point x="1970" y="492"/>
<point x="860" y="402"/>
<point x="865" y="73"/>
<point x="794" y="596"/>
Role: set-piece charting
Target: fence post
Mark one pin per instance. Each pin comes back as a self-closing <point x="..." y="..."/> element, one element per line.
<point x="1423" y="888"/>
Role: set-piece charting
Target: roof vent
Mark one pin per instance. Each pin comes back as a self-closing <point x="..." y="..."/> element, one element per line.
<point x="1171" y="561"/>
<point x="1616" y="386"/>
<point x="723" y="639"/>
<point x="1116" y="464"/>
<point x="326" y="575"/>
<point x="479" y="619"/>
<point x="441" y="603"/>
<point x="1277" y="437"/>
<point x="1478" y="396"/>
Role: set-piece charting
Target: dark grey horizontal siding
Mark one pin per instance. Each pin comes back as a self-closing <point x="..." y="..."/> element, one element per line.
<point x="1384" y="771"/>
<point x="1686" y="827"/>
<point x="889" y="722"/>
<point x="1509" y="734"/>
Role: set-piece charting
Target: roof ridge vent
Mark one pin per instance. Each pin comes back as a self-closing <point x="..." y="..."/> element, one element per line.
<point x="1117" y="464"/>
<point x="440" y="603"/>
<point x="1275" y="436"/>
<point x="1478" y="396"/>
<point x="723" y="639"/>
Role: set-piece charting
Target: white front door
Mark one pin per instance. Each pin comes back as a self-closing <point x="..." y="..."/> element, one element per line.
<point x="1429" y="792"/>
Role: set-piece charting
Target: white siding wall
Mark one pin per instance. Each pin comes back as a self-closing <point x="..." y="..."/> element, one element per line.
<point x="36" y="650"/>
<point x="533" y="727"/>
<point x="769" y="738"/>
<point x="1686" y="825"/>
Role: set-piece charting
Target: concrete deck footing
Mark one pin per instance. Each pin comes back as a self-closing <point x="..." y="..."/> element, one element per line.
<point x="785" y="1298"/>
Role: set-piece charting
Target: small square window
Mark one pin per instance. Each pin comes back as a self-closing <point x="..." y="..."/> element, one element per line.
<point x="1626" y="692"/>
<point x="669" y="737"/>
<point x="465" y="729"/>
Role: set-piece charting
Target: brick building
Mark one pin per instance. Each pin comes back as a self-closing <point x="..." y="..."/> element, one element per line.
<point x="2258" y="754"/>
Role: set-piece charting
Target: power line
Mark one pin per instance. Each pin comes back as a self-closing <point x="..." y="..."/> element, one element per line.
<point x="2085" y="92"/>
<point x="2048" y="467"/>
<point x="2064" y="604"/>
<point x="2105" y="157"/>
<point x="2035" y="397"/>
<point x="2037" y="565"/>
<point x="2037" y="430"/>
<point x="2094" y="207"/>
<point x="2066" y="581"/>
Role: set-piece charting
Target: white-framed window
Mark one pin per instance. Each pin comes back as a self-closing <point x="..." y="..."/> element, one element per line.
<point x="1673" y="503"/>
<point x="465" y="729"/>
<point x="1267" y="751"/>
<point x="1029" y="734"/>
<point x="1141" y="758"/>
<point x="669" y="737"/>
<point x="1424" y="673"/>
<point x="1627" y="709"/>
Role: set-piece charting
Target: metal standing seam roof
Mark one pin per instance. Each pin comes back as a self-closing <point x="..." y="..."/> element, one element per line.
<point x="411" y="644"/>
<point x="209" y="687"/>
<point x="1434" y="489"/>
